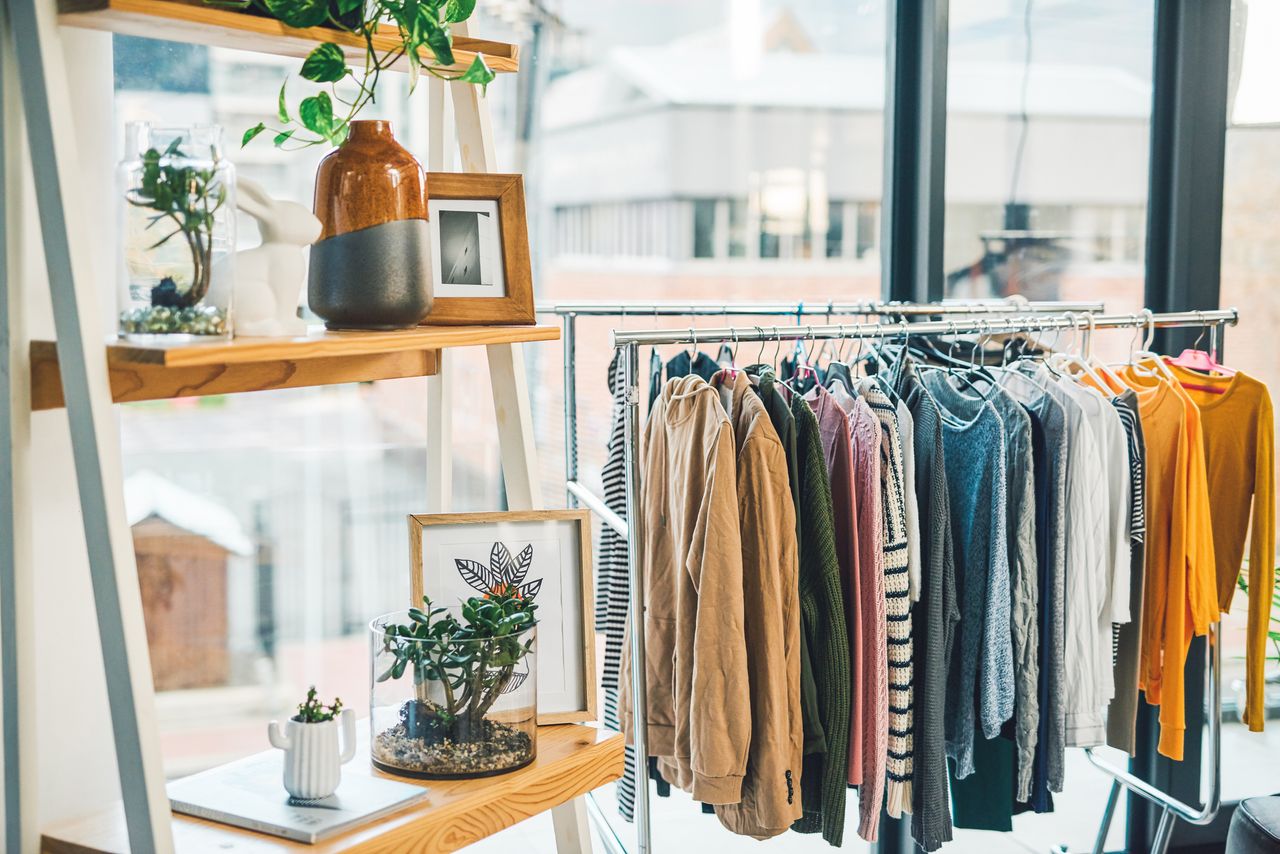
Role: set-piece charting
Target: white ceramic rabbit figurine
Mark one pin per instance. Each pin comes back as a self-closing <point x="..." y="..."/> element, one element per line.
<point x="269" y="277"/>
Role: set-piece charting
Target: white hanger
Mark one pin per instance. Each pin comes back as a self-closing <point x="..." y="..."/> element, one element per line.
<point x="1070" y="360"/>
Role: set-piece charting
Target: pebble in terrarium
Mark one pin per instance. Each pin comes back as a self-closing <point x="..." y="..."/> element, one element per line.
<point x="454" y="689"/>
<point x="178" y="232"/>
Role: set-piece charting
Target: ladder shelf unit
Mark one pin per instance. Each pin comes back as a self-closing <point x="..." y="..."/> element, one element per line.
<point x="80" y="372"/>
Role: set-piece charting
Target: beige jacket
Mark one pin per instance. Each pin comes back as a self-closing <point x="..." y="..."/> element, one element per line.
<point x="691" y="552"/>
<point x="771" y="596"/>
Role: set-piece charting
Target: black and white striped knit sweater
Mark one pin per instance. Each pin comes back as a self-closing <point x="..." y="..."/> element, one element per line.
<point x="612" y="586"/>
<point x="898" y="607"/>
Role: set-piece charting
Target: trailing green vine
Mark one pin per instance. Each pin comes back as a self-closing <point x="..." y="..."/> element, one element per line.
<point x="425" y="42"/>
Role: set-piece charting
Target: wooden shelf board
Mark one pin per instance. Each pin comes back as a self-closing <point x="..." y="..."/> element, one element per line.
<point x="165" y="370"/>
<point x="320" y="342"/>
<point x="572" y="760"/>
<point x="137" y="381"/>
<point x="198" y="23"/>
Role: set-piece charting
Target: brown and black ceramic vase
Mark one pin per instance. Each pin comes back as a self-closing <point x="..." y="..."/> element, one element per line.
<point x="371" y="268"/>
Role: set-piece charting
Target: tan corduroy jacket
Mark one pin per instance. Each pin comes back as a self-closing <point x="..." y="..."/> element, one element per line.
<point x="696" y="680"/>
<point x="771" y="596"/>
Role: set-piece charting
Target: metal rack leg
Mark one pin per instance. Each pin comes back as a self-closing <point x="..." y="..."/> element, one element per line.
<point x="569" y="334"/>
<point x="639" y="700"/>
<point x="1164" y="832"/>
<point x="1100" y="844"/>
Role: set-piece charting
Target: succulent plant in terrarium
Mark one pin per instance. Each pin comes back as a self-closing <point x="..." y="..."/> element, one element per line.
<point x="462" y="666"/>
<point x="180" y="197"/>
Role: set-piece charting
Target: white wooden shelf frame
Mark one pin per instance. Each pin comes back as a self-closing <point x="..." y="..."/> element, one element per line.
<point x="35" y="94"/>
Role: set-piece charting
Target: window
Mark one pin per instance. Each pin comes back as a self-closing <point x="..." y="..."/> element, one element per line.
<point x="1048" y="114"/>
<point x="1251" y="282"/>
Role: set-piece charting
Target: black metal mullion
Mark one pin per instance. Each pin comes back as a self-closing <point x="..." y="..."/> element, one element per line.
<point x="1188" y="150"/>
<point x="1184" y="254"/>
<point x="915" y="124"/>
<point x="915" y="151"/>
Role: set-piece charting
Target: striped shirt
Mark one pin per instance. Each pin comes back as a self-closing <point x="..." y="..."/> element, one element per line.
<point x="897" y="605"/>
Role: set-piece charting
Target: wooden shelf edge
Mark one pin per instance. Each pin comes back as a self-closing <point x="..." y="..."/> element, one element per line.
<point x="198" y="23"/>
<point x="160" y="371"/>
<point x="572" y="760"/>
<point x="132" y="383"/>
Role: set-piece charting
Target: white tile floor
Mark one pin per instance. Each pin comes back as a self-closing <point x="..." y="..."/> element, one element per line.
<point x="680" y="826"/>
<point x="1250" y="767"/>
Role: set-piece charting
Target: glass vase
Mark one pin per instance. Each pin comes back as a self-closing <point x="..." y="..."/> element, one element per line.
<point x="178" y="232"/>
<point x="444" y="709"/>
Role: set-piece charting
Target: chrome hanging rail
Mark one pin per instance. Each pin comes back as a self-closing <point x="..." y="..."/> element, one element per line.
<point x="986" y="325"/>
<point x="569" y="312"/>
<point x="591" y="308"/>
<point x="628" y="342"/>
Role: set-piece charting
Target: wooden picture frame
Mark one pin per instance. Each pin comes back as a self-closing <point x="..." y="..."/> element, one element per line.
<point x="566" y="630"/>
<point x="504" y="196"/>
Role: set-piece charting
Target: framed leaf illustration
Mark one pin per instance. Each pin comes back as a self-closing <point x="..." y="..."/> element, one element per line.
<point x="544" y="555"/>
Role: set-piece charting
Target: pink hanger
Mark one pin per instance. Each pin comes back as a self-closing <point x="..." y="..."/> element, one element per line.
<point x="1205" y="362"/>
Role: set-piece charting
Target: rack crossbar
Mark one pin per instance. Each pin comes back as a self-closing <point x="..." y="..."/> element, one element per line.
<point x="596" y="505"/>
<point x="986" y="325"/>
<point x="589" y="308"/>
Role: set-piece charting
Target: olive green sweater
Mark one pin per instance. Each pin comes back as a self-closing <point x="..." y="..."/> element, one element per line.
<point x="825" y="777"/>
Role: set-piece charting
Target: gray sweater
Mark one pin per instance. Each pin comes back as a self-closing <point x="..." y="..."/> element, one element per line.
<point x="1053" y="419"/>
<point x="934" y="619"/>
<point x="981" y="676"/>
<point x="1021" y="542"/>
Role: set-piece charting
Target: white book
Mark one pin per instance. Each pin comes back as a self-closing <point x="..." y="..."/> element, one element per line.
<point x="250" y="794"/>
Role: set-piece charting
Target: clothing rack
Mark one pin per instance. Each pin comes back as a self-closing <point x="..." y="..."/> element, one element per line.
<point x="628" y="342"/>
<point x="569" y="312"/>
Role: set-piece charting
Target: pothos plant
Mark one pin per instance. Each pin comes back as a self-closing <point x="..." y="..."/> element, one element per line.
<point x="425" y="42"/>
<point x="472" y="662"/>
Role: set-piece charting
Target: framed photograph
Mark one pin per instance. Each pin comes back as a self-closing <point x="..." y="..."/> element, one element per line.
<point x="547" y="554"/>
<point x="480" y="250"/>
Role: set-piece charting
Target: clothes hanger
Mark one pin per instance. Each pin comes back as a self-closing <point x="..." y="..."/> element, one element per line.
<point x="1066" y="360"/>
<point x="1196" y="359"/>
<point x="724" y="358"/>
<point x="838" y="370"/>
<point x="1150" y="363"/>
<point x="826" y="344"/>
<point x="731" y="369"/>
<point x="1114" y="382"/>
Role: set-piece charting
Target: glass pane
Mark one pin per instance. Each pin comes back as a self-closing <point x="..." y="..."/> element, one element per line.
<point x="1048" y="112"/>
<point x="1048" y="117"/>
<point x="1251" y="282"/>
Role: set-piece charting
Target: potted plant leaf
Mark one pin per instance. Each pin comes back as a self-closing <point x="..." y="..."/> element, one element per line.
<point x="425" y="42"/>
<point x="312" y="758"/>
<point x="454" y="689"/>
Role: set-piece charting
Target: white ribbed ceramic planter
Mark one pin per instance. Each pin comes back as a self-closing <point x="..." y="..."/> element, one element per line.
<point x="312" y="759"/>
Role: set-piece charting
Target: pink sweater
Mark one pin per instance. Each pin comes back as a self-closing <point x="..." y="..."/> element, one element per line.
<point x="865" y="430"/>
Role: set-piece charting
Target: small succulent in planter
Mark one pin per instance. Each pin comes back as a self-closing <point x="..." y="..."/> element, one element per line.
<point x="470" y="710"/>
<point x="312" y="711"/>
<point x="312" y="758"/>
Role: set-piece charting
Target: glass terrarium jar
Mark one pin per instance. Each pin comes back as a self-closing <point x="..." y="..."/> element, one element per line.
<point x="444" y="707"/>
<point x="178" y="232"/>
